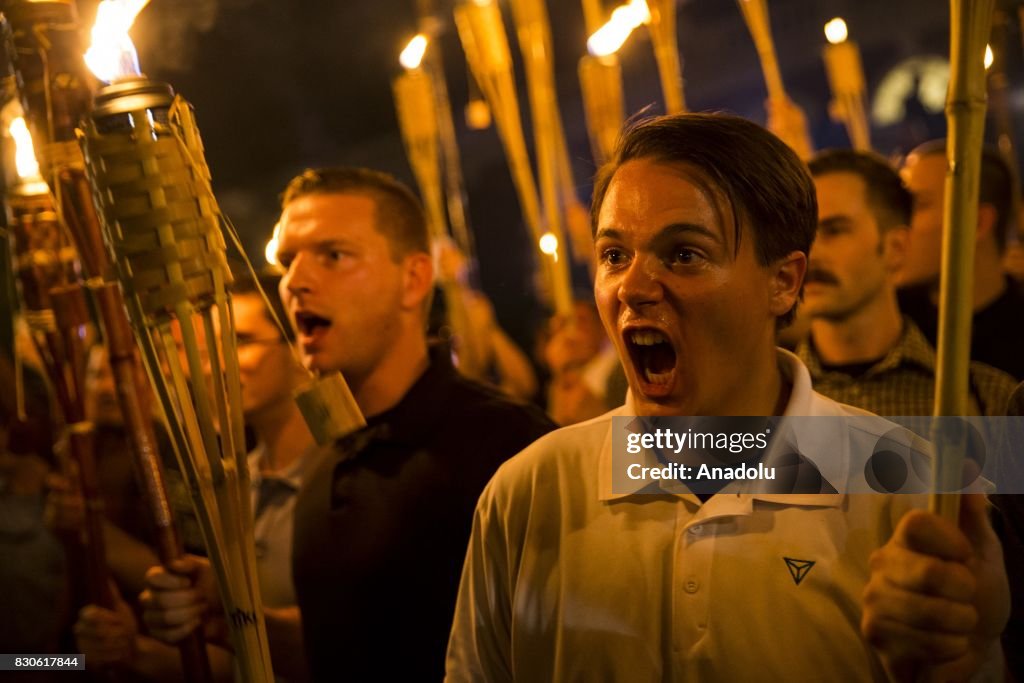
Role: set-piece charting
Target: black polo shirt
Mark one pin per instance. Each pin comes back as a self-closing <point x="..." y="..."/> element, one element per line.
<point x="383" y="522"/>
<point x="997" y="331"/>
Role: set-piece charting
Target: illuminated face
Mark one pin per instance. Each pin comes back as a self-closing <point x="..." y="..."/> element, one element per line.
<point x="265" y="365"/>
<point x="925" y="177"/>
<point x="690" y="315"/>
<point x="848" y="267"/>
<point x="343" y="290"/>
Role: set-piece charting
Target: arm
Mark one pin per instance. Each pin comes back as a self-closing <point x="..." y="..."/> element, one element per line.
<point x="938" y="596"/>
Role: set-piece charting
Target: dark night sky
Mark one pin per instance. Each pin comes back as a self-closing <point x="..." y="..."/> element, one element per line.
<point x="279" y="86"/>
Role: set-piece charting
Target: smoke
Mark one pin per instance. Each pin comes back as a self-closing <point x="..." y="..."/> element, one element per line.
<point x="168" y="32"/>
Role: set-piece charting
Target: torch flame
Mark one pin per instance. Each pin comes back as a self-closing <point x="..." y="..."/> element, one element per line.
<point x="25" y="153"/>
<point x="610" y="37"/>
<point x="989" y="57"/>
<point x="270" y="251"/>
<point x="835" y="31"/>
<point x="548" y="244"/>
<point x="412" y="55"/>
<point x="112" y="54"/>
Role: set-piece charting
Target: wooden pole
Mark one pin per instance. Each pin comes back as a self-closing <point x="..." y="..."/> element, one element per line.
<point x="666" y="53"/>
<point x="971" y="21"/>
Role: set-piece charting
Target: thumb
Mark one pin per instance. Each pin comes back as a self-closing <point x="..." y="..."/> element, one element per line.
<point x="974" y="518"/>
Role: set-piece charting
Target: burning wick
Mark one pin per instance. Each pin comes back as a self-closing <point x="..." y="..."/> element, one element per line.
<point x="412" y="55"/>
<point x="112" y="54"/>
<point x="549" y="244"/>
<point x="989" y="57"/>
<point x="835" y="31"/>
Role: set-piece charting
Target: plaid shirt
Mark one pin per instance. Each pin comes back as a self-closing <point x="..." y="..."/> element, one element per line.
<point x="903" y="382"/>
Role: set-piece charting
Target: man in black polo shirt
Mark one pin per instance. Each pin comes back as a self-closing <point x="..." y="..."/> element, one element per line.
<point x="997" y="327"/>
<point x="382" y="524"/>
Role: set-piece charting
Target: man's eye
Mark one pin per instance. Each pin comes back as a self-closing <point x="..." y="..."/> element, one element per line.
<point x="613" y="256"/>
<point x="685" y="256"/>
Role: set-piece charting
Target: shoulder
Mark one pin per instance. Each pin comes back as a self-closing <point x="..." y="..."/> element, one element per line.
<point x="469" y="400"/>
<point x="994" y="385"/>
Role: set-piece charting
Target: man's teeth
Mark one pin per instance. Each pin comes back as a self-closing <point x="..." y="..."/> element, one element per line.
<point x="657" y="377"/>
<point x="648" y="338"/>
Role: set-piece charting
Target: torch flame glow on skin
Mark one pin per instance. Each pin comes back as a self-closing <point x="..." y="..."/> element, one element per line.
<point x="989" y="57"/>
<point x="112" y="53"/>
<point x="835" y="31"/>
<point x="549" y="244"/>
<point x="609" y="38"/>
<point x="25" y="154"/>
<point x="412" y="55"/>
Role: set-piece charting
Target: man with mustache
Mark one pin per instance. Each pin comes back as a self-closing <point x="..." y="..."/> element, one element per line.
<point x="861" y="350"/>
<point x="702" y="227"/>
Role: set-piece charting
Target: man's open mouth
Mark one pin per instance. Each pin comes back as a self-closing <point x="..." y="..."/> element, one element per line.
<point x="309" y="324"/>
<point x="653" y="356"/>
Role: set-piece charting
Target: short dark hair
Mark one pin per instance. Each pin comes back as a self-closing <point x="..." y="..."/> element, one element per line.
<point x="762" y="179"/>
<point x="889" y="198"/>
<point x="995" y="189"/>
<point x="400" y="216"/>
<point x="245" y="284"/>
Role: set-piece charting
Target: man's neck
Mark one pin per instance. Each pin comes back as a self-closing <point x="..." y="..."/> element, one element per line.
<point x="393" y="377"/>
<point x="284" y="434"/>
<point x="866" y="335"/>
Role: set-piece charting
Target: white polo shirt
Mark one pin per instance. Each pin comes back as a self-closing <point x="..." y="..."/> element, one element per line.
<point x="566" y="581"/>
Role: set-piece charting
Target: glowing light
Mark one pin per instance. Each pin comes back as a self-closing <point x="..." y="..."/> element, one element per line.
<point x="549" y="244"/>
<point x="835" y="31"/>
<point x="989" y="57"/>
<point x="609" y="38"/>
<point x="270" y="252"/>
<point x="413" y="53"/>
<point x="25" y="153"/>
<point x="112" y="53"/>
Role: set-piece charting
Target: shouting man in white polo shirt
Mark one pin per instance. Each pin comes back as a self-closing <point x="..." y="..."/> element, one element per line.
<point x="702" y="228"/>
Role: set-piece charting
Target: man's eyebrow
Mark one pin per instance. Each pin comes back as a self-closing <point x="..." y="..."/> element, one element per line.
<point x="834" y="221"/>
<point x="674" y="230"/>
<point x="609" y="233"/>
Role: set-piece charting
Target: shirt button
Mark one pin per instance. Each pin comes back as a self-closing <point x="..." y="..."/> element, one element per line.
<point x="692" y="585"/>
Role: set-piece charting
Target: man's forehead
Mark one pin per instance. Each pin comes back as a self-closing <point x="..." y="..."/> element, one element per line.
<point x="318" y="212"/>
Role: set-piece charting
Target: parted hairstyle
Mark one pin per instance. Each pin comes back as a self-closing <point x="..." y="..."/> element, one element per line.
<point x="399" y="215"/>
<point x="762" y="179"/>
<point x="995" y="189"/>
<point x="889" y="199"/>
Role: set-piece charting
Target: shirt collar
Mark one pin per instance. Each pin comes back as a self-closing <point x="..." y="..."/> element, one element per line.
<point x="814" y="445"/>
<point x="292" y="475"/>
<point x="911" y="349"/>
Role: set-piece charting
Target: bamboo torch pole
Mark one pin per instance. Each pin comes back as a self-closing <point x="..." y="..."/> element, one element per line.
<point x="415" y="102"/>
<point x="534" y="33"/>
<point x="482" y="33"/>
<point x="666" y="53"/>
<point x="971" y="21"/>
<point x="44" y="52"/>
<point x="755" y="13"/>
<point x="846" y="78"/>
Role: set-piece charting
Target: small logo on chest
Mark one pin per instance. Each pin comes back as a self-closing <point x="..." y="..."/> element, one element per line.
<point x="798" y="569"/>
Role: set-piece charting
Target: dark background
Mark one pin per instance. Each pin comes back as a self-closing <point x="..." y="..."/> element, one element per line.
<point x="281" y="85"/>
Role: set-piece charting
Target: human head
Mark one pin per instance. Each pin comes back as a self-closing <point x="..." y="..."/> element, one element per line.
<point x="268" y="372"/>
<point x="924" y="172"/>
<point x="864" y="211"/>
<point x="358" y="274"/>
<point x="702" y="227"/>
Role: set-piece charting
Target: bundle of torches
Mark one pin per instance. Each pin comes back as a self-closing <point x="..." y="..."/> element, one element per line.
<point x="116" y="204"/>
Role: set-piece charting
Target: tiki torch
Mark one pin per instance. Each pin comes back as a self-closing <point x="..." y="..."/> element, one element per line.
<point x="486" y="46"/>
<point x="846" y="78"/>
<point x="416" y="102"/>
<point x="971" y="21"/>
<point x="42" y="43"/>
<point x="755" y="14"/>
<point x="53" y="304"/>
<point x="557" y="187"/>
<point x="666" y="53"/>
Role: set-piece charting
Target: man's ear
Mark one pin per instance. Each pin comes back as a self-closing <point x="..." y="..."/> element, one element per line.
<point x="895" y="245"/>
<point x="988" y="216"/>
<point x="417" y="279"/>
<point x="787" y="279"/>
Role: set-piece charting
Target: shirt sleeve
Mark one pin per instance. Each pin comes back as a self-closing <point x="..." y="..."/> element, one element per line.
<point x="480" y="646"/>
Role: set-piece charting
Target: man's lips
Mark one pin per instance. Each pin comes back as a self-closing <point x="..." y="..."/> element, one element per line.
<point x="311" y="328"/>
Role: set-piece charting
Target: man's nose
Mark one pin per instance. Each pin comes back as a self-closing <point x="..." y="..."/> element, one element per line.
<point x="300" y="276"/>
<point x="641" y="283"/>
